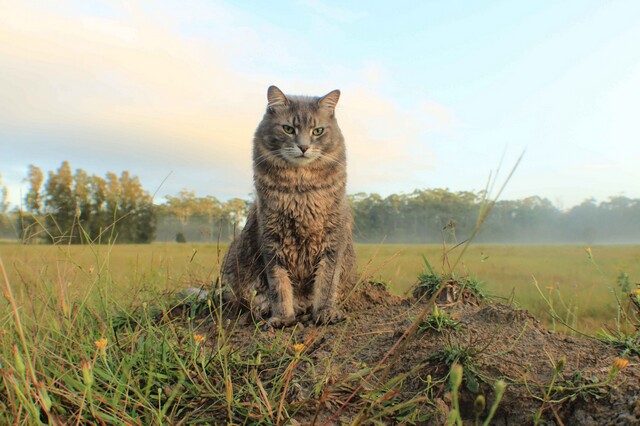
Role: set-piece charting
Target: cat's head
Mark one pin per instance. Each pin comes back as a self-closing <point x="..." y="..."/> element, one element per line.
<point x="300" y="130"/>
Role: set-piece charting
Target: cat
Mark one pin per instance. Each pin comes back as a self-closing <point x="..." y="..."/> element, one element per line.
<point x="295" y="255"/>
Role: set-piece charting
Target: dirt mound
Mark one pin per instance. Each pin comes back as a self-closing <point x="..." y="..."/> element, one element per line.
<point x="367" y="367"/>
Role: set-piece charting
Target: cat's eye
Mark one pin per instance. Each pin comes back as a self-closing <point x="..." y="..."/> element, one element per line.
<point x="318" y="131"/>
<point x="288" y="129"/>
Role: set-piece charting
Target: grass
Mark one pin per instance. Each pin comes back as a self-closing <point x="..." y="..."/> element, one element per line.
<point x="84" y="334"/>
<point x="564" y="273"/>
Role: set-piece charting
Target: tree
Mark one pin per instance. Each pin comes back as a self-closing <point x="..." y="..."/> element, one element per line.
<point x="60" y="205"/>
<point x="136" y="210"/>
<point x="33" y="201"/>
<point x="31" y="229"/>
<point x="4" y="199"/>
<point x="183" y="206"/>
<point x="4" y="209"/>
<point x="211" y="207"/>
<point x="77" y="206"/>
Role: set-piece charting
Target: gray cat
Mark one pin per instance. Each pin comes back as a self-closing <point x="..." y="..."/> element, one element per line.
<point x="295" y="255"/>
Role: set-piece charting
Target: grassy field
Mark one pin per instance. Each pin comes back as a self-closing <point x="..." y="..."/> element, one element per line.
<point x="575" y="282"/>
<point x="83" y="337"/>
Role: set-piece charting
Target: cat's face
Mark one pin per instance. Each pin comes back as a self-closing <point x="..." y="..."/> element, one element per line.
<point x="299" y="130"/>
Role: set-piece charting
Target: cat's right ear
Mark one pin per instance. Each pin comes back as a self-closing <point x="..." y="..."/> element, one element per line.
<point x="276" y="98"/>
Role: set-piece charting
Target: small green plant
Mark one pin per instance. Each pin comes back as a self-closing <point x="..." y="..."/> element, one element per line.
<point x="625" y="335"/>
<point x="455" y="380"/>
<point x="465" y="356"/>
<point x="451" y="287"/>
<point x="439" y="321"/>
<point x="576" y="386"/>
<point x="623" y="282"/>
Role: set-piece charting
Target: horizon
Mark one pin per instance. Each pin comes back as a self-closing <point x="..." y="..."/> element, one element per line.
<point x="433" y="95"/>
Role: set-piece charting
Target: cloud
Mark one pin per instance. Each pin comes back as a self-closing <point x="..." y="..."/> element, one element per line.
<point x="132" y="88"/>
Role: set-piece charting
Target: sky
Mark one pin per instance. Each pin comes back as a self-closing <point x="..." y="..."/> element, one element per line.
<point x="434" y="94"/>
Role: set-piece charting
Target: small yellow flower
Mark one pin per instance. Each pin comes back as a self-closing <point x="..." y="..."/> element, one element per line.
<point x="620" y="363"/>
<point x="101" y="343"/>
<point x="549" y="288"/>
<point x="636" y="292"/>
<point x="589" y="254"/>
<point x="198" y="338"/>
<point x="298" y="347"/>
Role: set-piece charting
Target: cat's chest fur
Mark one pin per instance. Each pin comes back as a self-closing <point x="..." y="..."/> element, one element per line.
<point x="297" y="209"/>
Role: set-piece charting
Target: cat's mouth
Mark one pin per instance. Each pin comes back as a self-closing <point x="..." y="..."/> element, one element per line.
<point x="301" y="159"/>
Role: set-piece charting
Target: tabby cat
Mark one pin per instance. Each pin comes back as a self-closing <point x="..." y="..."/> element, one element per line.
<point x="295" y="255"/>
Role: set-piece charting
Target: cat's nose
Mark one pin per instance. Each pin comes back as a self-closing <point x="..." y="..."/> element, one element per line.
<point x="303" y="148"/>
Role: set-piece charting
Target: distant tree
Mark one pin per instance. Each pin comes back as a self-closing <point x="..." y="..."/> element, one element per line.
<point x="5" y="227"/>
<point x="33" y="200"/>
<point x="29" y="221"/>
<point x="61" y="207"/>
<point x="76" y="206"/>
<point x="236" y="210"/>
<point x="4" y="198"/>
<point x="211" y="207"/>
<point x="135" y="217"/>
<point x="183" y="206"/>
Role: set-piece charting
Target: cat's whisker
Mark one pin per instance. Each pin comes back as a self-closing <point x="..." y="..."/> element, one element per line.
<point x="334" y="159"/>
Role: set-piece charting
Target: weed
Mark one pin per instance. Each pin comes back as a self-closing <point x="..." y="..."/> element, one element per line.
<point x="455" y="380"/>
<point x="578" y="385"/>
<point x="439" y="321"/>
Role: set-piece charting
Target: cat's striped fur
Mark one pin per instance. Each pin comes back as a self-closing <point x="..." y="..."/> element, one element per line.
<point x="295" y="255"/>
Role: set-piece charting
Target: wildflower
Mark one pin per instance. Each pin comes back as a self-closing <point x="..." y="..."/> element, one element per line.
<point x="589" y="254"/>
<point x="636" y="292"/>
<point x="619" y="363"/>
<point x="549" y="288"/>
<point x="198" y="338"/>
<point x="298" y="348"/>
<point x="101" y="343"/>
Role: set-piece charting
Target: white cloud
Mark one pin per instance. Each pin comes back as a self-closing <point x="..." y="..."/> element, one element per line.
<point x="131" y="88"/>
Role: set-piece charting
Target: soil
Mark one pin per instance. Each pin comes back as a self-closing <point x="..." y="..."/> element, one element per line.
<point x="359" y="357"/>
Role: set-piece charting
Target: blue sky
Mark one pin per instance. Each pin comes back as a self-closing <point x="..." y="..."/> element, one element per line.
<point x="433" y="93"/>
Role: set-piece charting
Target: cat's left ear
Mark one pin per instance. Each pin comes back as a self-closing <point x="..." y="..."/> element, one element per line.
<point x="330" y="100"/>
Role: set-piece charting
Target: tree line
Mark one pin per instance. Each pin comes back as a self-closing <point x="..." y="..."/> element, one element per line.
<point x="436" y="215"/>
<point x="75" y="207"/>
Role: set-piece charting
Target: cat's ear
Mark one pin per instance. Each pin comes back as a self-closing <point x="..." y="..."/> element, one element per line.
<point x="330" y="100"/>
<point x="276" y="97"/>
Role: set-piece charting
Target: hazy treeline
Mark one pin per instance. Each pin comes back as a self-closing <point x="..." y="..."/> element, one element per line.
<point x="76" y="206"/>
<point x="429" y="216"/>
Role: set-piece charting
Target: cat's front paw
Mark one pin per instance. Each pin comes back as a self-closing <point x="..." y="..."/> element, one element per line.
<point x="278" y="322"/>
<point x="328" y="316"/>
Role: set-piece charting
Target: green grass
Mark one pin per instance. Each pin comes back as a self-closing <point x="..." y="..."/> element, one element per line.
<point x="61" y="301"/>
<point x="564" y="271"/>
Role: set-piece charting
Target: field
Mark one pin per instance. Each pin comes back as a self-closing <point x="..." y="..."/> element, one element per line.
<point x="95" y="335"/>
<point x="577" y="284"/>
